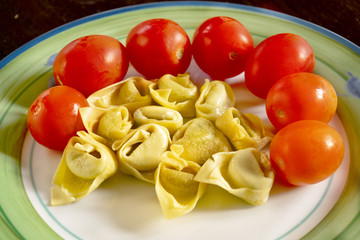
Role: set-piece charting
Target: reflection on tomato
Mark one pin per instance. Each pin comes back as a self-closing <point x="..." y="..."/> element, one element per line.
<point x="306" y="152"/>
<point x="300" y="96"/>
<point x="275" y="57"/>
<point x="53" y="118"/>
<point x="90" y="63"/>
<point x="157" y="47"/>
<point x="221" y="47"/>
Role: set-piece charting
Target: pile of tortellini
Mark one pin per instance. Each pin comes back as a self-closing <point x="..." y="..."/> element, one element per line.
<point x="171" y="133"/>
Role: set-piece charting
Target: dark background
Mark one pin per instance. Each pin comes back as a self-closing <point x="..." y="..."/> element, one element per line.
<point x="23" y="20"/>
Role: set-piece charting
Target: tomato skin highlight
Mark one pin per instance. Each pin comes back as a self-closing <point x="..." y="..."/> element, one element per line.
<point x="53" y="118"/>
<point x="306" y="152"/>
<point x="157" y="47"/>
<point x="221" y="47"/>
<point x="300" y="96"/>
<point x="90" y="63"/>
<point x="275" y="57"/>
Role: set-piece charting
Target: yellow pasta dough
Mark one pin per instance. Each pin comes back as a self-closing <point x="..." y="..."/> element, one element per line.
<point x="131" y="93"/>
<point x="199" y="139"/>
<point x="140" y="151"/>
<point x="176" y="92"/>
<point x="85" y="164"/>
<point x="215" y="98"/>
<point x="245" y="173"/>
<point x="181" y="144"/>
<point x="176" y="189"/>
<point x="106" y="125"/>
<point x="243" y="130"/>
<point x="169" y="118"/>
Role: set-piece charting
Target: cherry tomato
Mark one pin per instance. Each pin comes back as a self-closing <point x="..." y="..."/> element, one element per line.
<point x="221" y="47"/>
<point x="275" y="57"/>
<point x="157" y="47"/>
<point x="53" y="118"/>
<point x="306" y="152"/>
<point x="90" y="63"/>
<point x="300" y="96"/>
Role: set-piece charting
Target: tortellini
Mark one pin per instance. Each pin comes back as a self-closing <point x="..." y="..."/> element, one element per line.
<point x="169" y="118"/>
<point x="85" y="164"/>
<point x="178" y="93"/>
<point x="243" y="130"/>
<point x="169" y="133"/>
<point x="139" y="153"/>
<point x="199" y="139"/>
<point x="106" y="125"/>
<point x="245" y="173"/>
<point x="215" y="98"/>
<point x="176" y="189"/>
<point x="131" y="93"/>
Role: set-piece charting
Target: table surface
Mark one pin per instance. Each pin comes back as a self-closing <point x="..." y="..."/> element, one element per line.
<point x="24" y="20"/>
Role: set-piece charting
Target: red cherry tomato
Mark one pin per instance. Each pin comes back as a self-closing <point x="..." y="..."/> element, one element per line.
<point x="221" y="47"/>
<point x="300" y="96"/>
<point x="157" y="47"/>
<point x="90" y="63"/>
<point x="275" y="57"/>
<point x="53" y="118"/>
<point x="306" y="152"/>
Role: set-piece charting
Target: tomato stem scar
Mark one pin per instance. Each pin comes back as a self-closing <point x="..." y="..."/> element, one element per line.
<point x="281" y="163"/>
<point x="233" y="55"/>
<point x="281" y="113"/>
<point x="179" y="53"/>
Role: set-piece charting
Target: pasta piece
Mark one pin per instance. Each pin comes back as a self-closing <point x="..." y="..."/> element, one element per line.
<point x="243" y="130"/>
<point x="169" y="118"/>
<point x="176" y="189"/>
<point x="245" y="173"/>
<point x="131" y="93"/>
<point x="139" y="153"/>
<point x="177" y="93"/>
<point x="215" y="98"/>
<point x="85" y="164"/>
<point x="106" y="125"/>
<point x="199" y="139"/>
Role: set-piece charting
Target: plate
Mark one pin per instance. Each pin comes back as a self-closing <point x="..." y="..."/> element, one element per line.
<point x="124" y="208"/>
